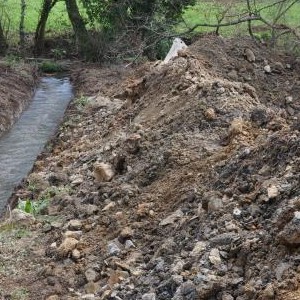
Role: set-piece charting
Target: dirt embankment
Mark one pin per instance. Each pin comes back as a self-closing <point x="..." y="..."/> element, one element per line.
<point x="177" y="181"/>
<point x="16" y="87"/>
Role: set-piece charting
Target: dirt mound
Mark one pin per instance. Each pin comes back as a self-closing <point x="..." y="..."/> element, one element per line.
<point x="180" y="181"/>
<point x="16" y="87"/>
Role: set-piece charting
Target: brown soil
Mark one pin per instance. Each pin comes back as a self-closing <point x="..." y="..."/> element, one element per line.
<point x="204" y="201"/>
<point x="16" y="87"/>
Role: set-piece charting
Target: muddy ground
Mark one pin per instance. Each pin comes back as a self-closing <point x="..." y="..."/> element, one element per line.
<point x="176" y="181"/>
<point x="17" y="83"/>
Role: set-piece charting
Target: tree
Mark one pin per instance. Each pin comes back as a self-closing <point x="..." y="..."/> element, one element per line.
<point x="3" y="42"/>
<point x="83" y="38"/>
<point x="39" y="37"/>
<point x="21" y="26"/>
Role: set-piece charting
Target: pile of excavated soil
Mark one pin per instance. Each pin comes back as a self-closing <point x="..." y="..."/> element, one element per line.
<point x="179" y="181"/>
<point x="16" y="88"/>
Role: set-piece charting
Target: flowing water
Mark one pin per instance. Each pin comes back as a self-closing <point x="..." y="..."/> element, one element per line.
<point x="20" y="146"/>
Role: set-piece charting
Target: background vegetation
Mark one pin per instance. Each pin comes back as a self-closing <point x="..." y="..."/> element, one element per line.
<point x="116" y="29"/>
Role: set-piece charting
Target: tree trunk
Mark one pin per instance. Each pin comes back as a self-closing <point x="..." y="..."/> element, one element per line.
<point x="3" y="41"/>
<point x="22" y="27"/>
<point x="82" y="36"/>
<point x="41" y="26"/>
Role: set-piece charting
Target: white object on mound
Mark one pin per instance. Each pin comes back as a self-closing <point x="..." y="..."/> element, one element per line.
<point x="178" y="45"/>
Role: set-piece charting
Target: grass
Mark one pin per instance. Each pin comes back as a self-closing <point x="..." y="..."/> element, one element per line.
<point x="58" y="20"/>
<point x="208" y="12"/>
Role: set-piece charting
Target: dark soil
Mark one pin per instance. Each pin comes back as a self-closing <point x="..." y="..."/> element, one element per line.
<point x="204" y="202"/>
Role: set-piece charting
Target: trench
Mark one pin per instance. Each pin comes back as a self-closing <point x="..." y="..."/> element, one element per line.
<point x="20" y="146"/>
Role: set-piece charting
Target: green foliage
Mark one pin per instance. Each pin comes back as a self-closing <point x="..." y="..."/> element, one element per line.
<point x="50" y="67"/>
<point x="33" y="207"/>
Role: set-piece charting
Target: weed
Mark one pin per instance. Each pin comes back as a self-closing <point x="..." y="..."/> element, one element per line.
<point x="81" y="101"/>
<point x="50" y="67"/>
<point x="20" y="294"/>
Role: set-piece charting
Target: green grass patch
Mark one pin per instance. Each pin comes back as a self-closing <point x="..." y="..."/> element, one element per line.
<point x="210" y="11"/>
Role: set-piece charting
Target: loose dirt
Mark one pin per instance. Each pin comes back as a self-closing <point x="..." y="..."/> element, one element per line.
<point x="175" y="181"/>
<point x="17" y="83"/>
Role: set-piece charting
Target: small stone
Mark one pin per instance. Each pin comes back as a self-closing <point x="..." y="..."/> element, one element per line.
<point x="73" y="234"/>
<point x="291" y="232"/>
<point x="67" y="246"/>
<point x="76" y="254"/>
<point x="103" y="172"/>
<point x="21" y="217"/>
<point x="237" y="212"/>
<point x="210" y="114"/>
<point x="53" y="297"/>
<point x="91" y="288"/>
<point x="198" y="248"/>
<point x="268" y="292"/>
<point x="149" y="296"/>
<point x="249" y="55"/>
<point x="214" y="256"/>
<point x="113" y="249"/>
<point x="129" y="244"/>
<point x="272" y="192"/>
<point x="75" y="225"/>
<point x="172" y="218"/>
<point x="267" y="69"/>
<point x="227" y="296"/>
<point x="214" y="204"/>
<point x="90" y="275"/>
<point x="89" y="297"/>
<point x="126" y="233"/>
<point x="109" y="206"/>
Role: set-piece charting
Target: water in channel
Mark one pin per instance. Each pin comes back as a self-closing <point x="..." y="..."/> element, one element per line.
<point x="20" y="146"/>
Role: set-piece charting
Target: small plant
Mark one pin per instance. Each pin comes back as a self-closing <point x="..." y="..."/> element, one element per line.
<point x="81" y="101"/>
<point x="33" y="207"/>
<point x="50" y="67"/>
<point x="20" y="294"/>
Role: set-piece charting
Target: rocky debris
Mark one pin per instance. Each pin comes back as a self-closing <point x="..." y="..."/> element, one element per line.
<point x="20" y="217"/>
<point x="103" y="172"/>
<point x="199" y="196"/>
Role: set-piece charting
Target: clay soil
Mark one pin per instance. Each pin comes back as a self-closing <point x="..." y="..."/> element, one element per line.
<point x="176" y="181"/>
<point x="17" y="83"/>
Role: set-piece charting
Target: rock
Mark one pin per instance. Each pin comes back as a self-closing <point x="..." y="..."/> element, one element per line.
<point x="129" y="244"/>
<point x="172" y="218"/>
<point x="76" y="179"/>
<point x="21" y="217"/>
<point x="198" y="248"/>
<point x="91" y="288"/>
<point x="90" y="209"/>
<point x="210" y="114"/>
<point x="125" y="234"/>
<point x="214" y="256"/>
<point x="113" y="249"/>
<point x="227" y="296"/>
<point x="290" y="234"/>
<point x="149" y="296"/>
<point x="237" y="212"/>
<point x="109" y="206"/>
<point x="91" y="275"/>
<point x="267" y="69"/>
<point x="67" y="246"/>
<point x="76" y="254"/>
<point x="272" y="192"/>
<point x="53" y="297"/>
<point x="214" y="204"/>
<point x="268" y="292"/>
<point x="103" y="172"/>
<point x="88" y="297"/>
<point x="73" y="234"/>
<point x="75" y="225"/>
<point x="133" y="143"/>
<point x="249" y="55"/>
<point x="289" y="100"/>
